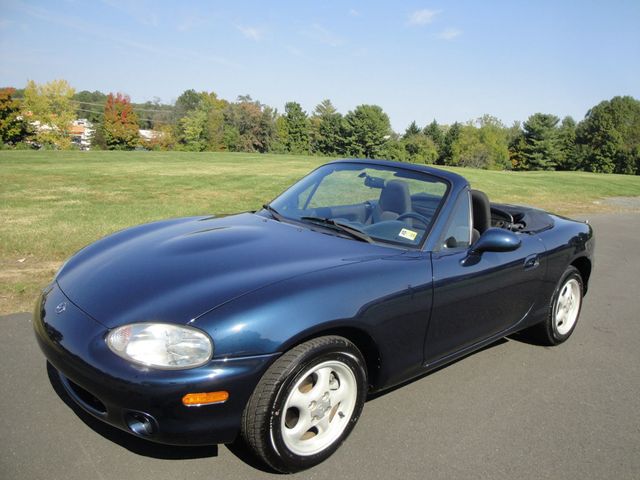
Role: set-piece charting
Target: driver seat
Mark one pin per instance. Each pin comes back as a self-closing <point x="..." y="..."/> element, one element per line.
<point x="394" y="201"/>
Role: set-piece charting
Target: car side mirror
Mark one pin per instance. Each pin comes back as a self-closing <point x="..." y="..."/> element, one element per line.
<point x="495" y="240"/>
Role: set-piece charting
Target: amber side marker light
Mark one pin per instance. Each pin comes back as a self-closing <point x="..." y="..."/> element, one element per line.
<point x="195" y="399"/>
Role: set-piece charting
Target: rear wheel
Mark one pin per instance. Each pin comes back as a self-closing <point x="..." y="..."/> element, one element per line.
<point x="563" y="311"/>
<point x="306" y="404"/>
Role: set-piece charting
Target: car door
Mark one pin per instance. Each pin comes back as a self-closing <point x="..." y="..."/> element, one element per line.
<point x="478" y="296"/>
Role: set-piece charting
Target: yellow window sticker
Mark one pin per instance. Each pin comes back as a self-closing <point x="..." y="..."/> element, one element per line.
<point x="408" y="234"/>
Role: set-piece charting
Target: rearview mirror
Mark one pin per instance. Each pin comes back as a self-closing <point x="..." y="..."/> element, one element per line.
<point x="495" y="240"/>
<point x="373" y="182"/>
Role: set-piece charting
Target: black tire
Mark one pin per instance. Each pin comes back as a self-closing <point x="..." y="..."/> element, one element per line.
<point x="263" y="419"/>
<point x="548" y="332"/>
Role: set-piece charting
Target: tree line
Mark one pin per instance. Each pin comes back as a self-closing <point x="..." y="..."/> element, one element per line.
<point x="606" y="140"/>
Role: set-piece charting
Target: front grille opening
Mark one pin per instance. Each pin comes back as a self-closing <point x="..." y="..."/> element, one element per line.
<point x="90" y="400"/>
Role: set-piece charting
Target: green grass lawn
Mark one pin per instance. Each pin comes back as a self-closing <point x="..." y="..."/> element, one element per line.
<point x="53" y="203"/>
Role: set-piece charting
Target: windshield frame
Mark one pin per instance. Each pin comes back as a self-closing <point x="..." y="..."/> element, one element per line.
<point x="297" y="188"/>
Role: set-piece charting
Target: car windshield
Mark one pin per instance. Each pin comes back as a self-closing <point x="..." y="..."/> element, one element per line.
<point x="384" y="203"/>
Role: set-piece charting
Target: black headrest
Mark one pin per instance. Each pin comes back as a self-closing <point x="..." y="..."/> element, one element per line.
<point x="395" y="197"/>
<point x="481" y="211"/>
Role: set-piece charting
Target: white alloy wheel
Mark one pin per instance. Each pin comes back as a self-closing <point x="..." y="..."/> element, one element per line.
<point x="319" y="407"/>
<point x="567" y="306"/>
<point x="564" y="311"/>
<point x="306" y="404"/>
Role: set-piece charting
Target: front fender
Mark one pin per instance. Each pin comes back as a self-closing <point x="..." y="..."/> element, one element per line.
<point x="388" y="299"/>
<point x="567" y="243"/>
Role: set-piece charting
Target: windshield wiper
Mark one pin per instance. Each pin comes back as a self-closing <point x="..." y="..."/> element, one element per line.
<point x="274" y="213"/>
<point x="340" y="227"/>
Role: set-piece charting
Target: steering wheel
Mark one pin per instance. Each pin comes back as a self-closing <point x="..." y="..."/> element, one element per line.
<point x="416" y="216"/>
<point x="368" y="211"/>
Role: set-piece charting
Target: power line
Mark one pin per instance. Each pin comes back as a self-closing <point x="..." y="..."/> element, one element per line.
<point x="154" y="122"/>
<point x="167" y="110"/>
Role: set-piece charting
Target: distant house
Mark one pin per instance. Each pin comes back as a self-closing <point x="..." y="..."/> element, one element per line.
<point x="81" y="131"/>
<point x="36" y="124"/>
<point x="149" y="135"/>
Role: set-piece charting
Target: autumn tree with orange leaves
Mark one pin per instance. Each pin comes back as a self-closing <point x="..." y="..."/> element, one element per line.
<point x="120" y="123"/>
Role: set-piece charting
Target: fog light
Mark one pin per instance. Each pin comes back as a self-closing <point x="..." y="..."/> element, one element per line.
<point x="140" y="423"/>
<point x="196" y="399"/>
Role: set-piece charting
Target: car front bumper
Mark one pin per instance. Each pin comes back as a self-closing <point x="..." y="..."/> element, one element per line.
<point x="143" y="401"/>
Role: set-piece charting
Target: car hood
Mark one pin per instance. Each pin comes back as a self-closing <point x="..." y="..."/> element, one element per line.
<point x="176" y="270"/>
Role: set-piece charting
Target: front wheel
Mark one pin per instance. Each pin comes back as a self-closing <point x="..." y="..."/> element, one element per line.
<point x="564" y="309"/>
<point x="306" y="404"/>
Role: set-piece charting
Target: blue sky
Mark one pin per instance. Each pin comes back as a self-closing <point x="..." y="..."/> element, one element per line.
<point x="419" y="60"/>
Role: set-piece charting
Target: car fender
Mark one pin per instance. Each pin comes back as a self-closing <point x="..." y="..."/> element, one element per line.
<point x="387" y="299"/>
<point x="568" y="243"/>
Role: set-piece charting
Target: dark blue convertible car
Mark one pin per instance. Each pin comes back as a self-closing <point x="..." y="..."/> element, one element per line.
<point x="273" y="327"/>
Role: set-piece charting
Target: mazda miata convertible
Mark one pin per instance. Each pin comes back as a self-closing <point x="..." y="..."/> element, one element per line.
<point x="272" y="327"/>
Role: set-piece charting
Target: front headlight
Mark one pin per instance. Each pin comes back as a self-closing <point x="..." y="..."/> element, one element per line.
<point x="161" y="345"/>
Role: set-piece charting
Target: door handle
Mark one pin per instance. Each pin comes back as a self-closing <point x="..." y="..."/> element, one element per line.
<point x="531" y="262"/>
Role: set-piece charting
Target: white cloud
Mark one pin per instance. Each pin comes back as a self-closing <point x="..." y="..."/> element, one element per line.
<point x="422" y="17"/>
<point x="252" y="33"/>
<point x="449" y="34"/>
<point x="320" y="34"/>
<point x="353" y="12"/>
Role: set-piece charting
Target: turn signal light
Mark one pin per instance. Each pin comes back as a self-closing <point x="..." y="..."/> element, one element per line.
<point x="193" y="399"/>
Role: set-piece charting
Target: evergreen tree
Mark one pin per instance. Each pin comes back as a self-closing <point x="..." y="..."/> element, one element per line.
<point x="446" y="153"/>
<point x="411" y="130"/>
<point x="326" y="130"/>
<point x="434" y="132"/>
<point x="366" y="130"/>
<point x="568" y="159"/>
<point x="541" y="142"/>
<point x="297" y="128"/>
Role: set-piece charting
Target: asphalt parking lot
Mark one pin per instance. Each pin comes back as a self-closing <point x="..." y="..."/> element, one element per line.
<point x="513" y="410"/>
